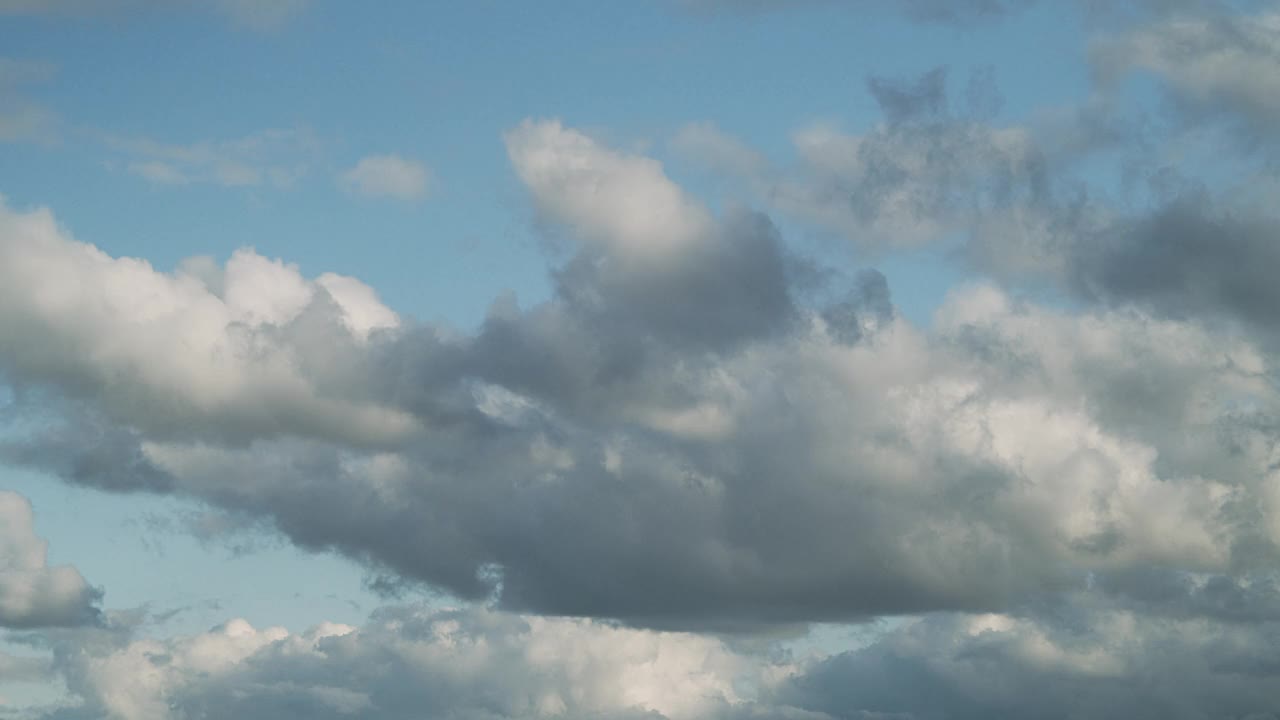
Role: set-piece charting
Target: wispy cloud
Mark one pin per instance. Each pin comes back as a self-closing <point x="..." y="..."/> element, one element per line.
<point x="269" y="158"/>
<point x="387" y="176"/>
<point x="23" y="118"/>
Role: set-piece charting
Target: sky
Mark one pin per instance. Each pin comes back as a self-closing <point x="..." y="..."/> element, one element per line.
<point x="663" y="359"/>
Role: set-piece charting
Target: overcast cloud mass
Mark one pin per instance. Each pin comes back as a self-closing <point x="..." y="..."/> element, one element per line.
<point x="718" y="440"/>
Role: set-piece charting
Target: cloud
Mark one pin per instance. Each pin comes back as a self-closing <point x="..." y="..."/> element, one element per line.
<point x="713" y="148"/>
<point x="206" y="351"/>
<point x="413" y="661"/>
<point x="22" y="118"/>
<point x="673" y="438"/>
<point x="602" y="195"/>
<point x="1191" y="257"/>
<point x="269" y="158"/>
<point x="14" y="668"/>
<point x="1215" y="64"/>
<point x="925" y="174"/>
<point x="1080" y="658"/>
<point x="33" y="594"/>
<point x="388" y="176"/>
<point x="1081" y="655"/>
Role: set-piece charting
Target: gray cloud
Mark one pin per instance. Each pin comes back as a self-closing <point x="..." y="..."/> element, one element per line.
<point x="1079" y="655"/>
<point x="1079" y="660"/>
<point x="32" y="593"/>
<point x="934" y="168"/>
<point x="1190" y="258"/>
<point x="672" y="438"/>
<point x="1216" y="63"/>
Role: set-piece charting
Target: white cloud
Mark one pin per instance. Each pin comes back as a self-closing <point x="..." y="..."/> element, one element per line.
<point x="623" y="201"/>
<point x="388" y="176"/>
<point x="449" y="664"/>
<point x="204" y="349"/>
<point x="32" y="593"/>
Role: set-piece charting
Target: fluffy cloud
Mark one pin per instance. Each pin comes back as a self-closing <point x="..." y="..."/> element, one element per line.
<point x="1082" y="655"/>
<point x="388" y="176"/>
<point x="411" y="661"/>
<point x="604" y="196"/>
<point x="33" y="594"/>
<point x="207" y="351"/>
<point x="672" y="438"/>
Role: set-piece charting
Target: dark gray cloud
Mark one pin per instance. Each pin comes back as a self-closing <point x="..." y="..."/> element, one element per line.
<point x="1190" y="258"/>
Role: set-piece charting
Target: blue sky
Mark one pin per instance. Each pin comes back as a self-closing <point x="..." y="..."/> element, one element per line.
<point x="796" y="339"/>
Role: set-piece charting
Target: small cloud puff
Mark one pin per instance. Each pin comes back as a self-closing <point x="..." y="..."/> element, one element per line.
<point x="388" y="176"/>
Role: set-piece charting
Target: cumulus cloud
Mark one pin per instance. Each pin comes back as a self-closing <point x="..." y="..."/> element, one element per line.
<point x="32" y="593"/>
<point x="672" y="438"/>
<point x="1082" y="655"/>
<point x="623" y="201"/>
<point x="413" y="661"/>
<point x="207" y="350"/>
<point x="388" y="176"/>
